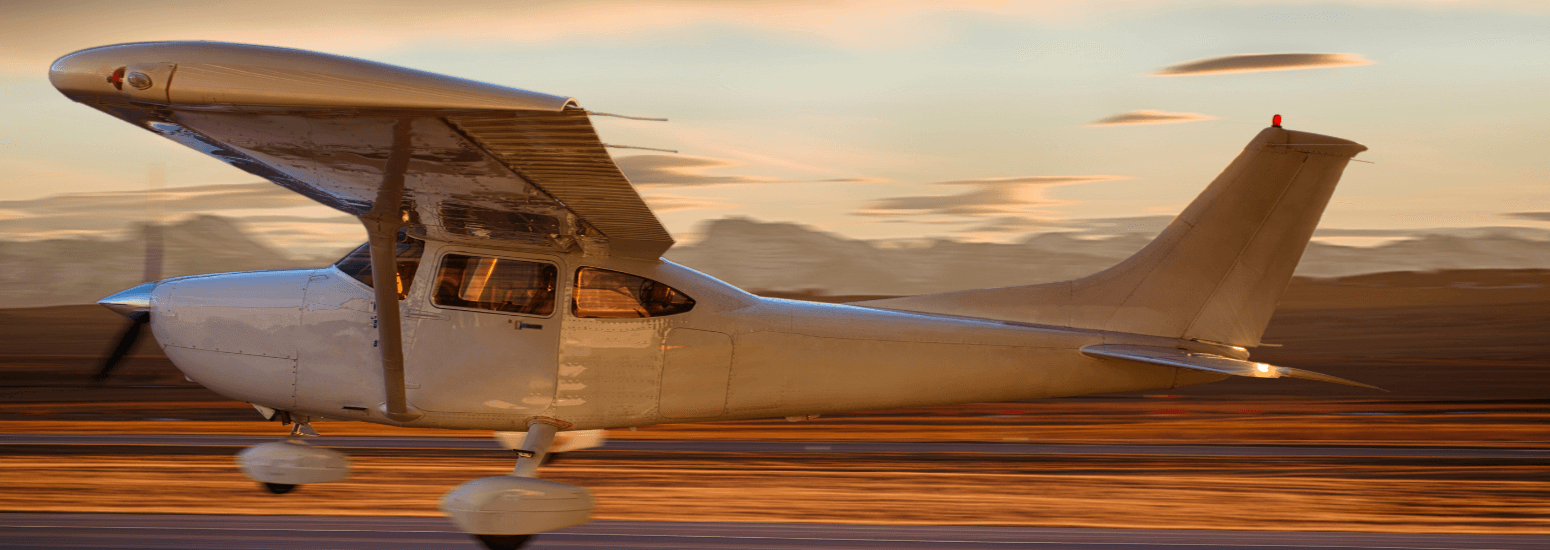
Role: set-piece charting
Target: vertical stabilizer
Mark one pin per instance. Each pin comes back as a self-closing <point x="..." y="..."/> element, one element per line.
<point x="1216" y="272"/>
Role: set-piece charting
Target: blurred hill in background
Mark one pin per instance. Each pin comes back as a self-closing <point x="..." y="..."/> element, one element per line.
<point x="786" y="257"/>
<point x="81" y="270"/>
<point x="758" y="256"/>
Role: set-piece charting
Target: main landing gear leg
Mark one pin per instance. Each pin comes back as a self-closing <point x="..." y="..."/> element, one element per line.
<point x="505" y="512"/>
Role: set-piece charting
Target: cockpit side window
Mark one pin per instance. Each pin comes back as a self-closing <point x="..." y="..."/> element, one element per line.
<point x="357" y="264"/>
<point x="496" y="284"/>
<point x="604" y="294"/>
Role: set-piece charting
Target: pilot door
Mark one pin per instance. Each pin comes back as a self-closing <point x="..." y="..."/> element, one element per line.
<point x="487" y="334"/>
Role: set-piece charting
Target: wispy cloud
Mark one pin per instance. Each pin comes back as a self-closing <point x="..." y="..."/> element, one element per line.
<point x="39" y="31"/>
<point x="681" y="171"/>
<point x="690" y="171"/>
<point x="1256" y="62"/>
<point x="1534" y="216"/>
<point x="1133" y="118"/>
<point x="661" y="202"/>
<point x="985" y="197"/>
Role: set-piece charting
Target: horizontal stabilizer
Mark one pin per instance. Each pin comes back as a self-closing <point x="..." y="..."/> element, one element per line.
<point x="1185" y="359"/>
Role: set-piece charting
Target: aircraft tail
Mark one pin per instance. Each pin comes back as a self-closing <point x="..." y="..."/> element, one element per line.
<point x="1215" y="274"/>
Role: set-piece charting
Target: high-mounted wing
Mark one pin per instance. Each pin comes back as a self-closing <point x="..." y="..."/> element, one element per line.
<point x="457" y="159"/>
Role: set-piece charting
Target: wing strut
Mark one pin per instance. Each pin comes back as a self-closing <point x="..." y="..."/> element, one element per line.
<point x="382" y="223"/>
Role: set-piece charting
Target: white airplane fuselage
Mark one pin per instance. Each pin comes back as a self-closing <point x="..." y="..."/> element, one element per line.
<point x="305" y="341"/>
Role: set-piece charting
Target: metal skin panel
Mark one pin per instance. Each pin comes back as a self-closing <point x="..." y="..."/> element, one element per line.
<point x="234" y="333"/>
<point x="253" y="313"/>
<point x="339" y="364"/>
<point x="835" y="358"/>
<point x="695" y="365"/>
<point x="784" y="374"/>
<point x="474" y="362"/>
<point x="345" y="160"/>
<point x="563" y="154"/>
<point x="611" y="369"/>
<point x="267" y="381"/>
<point x="323" y="126"/>
<point x="230" y="75"/>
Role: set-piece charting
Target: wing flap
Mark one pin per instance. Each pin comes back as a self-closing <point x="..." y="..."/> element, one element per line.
<point x="561" y="153"/>
<point x="1185" y="359"/>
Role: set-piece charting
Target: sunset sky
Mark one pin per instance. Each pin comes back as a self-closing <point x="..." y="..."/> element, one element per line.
<point x="877" y="120"/>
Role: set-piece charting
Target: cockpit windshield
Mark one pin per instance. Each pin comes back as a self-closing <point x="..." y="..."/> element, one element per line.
<point x="357" y="263"/>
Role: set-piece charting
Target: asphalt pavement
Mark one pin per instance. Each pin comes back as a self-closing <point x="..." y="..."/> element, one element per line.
<point x="198" y="532"/>
<point x="797" y="446"/>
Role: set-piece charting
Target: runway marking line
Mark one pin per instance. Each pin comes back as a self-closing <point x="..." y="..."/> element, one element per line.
<point x="805" y="539"/>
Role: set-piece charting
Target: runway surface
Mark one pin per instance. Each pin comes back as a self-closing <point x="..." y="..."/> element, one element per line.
<point x="130" y="531"/>
<point x="794" y="446"/>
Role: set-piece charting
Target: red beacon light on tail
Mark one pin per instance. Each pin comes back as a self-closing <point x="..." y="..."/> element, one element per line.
<point x="1275" y="121"/>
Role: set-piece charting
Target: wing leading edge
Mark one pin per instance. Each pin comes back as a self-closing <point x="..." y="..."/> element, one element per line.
<point x="464" y="160"/>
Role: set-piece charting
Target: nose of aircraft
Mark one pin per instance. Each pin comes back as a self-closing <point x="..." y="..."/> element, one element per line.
<point x="131" y="303"/>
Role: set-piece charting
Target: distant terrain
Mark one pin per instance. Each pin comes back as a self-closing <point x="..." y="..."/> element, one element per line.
<point x="791" y="258"/>
<point x="759" y="256"/>
<point x="81" y="271"/>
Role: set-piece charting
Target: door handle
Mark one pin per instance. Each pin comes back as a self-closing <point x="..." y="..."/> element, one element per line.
<point x="426" y="315"/>
<point x="521" y="325"/>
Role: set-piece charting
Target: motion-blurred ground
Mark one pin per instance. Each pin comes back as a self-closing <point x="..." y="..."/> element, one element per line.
<point x="1466" y="355"/>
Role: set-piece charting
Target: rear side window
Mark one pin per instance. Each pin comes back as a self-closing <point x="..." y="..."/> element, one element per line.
<point x="604" y="294"/>
<point x="495" y="284"/>
<point x="357" y="264"/>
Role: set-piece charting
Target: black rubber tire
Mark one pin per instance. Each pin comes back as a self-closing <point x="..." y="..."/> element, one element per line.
<point x="279" y="488"/>
<point x="504" y="542"/>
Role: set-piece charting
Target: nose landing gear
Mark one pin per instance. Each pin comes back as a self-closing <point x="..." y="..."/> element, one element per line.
<point x="282" y="465"/>
<point x="505" y="512"/>
<point x="278" y="488"/>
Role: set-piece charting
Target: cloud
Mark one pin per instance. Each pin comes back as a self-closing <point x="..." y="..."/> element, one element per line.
<point x="986" y="197"/>
<point x="660" y="202"/>
<point x="691" y="171"/>
<point x="681" y="171"/>
<point x="39" y="31"/>
<point x="1248" y="63"/>
<point x="1533" y="216"/>
<point x="1133" y="118"/>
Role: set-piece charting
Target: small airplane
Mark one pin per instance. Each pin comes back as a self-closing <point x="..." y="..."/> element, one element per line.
<point x="513" y="281"/>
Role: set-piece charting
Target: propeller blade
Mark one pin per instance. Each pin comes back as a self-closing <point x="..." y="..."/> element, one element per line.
<point x="126" y="340"/>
